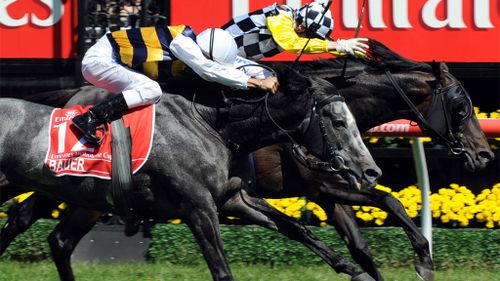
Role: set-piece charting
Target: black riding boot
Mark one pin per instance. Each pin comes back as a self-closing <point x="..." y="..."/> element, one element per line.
<point x="99" y="114"/>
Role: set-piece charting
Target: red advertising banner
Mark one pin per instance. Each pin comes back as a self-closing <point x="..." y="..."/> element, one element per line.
<point x="38" y="29"/>
<point x="422" y="30"/>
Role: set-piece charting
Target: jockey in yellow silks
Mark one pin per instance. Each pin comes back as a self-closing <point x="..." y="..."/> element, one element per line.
<point x="277" y="28"/>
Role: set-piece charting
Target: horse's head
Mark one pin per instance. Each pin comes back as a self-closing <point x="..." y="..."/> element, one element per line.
<point x="451" y="120"/>
<point x="329" y="133"/>
<point x="438" y="103"/>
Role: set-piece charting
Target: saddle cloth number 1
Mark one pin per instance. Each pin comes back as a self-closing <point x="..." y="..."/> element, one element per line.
<point x="70" y="154"/>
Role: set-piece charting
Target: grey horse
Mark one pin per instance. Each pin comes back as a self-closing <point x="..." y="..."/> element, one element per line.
<point x="188" y="169"/>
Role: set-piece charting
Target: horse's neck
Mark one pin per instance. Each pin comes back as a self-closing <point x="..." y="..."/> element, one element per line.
<point x="374" y="101"/>
<point x="371" y="97"/>
<point x="250" y="127"/>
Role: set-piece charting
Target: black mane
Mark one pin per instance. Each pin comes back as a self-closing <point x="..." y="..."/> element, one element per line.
<point x="379" y="58"/>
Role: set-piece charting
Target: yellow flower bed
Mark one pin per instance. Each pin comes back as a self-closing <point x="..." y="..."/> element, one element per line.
<point x="454" y="205"/>
<point x="293" y="207"/>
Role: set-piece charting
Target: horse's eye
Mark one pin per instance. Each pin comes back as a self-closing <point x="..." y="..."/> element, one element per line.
<point x="462" y="109"/>
<point x="460" y="113"/>
<point x="337" y="123"/>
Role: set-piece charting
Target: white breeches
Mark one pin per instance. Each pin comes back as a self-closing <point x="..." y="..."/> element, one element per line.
<point x="100" y="69"/>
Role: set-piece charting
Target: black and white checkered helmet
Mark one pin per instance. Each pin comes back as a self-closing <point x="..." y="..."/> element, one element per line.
<point x="311" y="16"/>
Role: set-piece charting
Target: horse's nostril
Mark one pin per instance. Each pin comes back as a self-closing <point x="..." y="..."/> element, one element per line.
<point x="487" y="155"/>
<point x="373" y="173"/>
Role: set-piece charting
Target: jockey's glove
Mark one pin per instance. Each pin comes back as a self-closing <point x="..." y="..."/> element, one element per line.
<point x="353" y="46"/>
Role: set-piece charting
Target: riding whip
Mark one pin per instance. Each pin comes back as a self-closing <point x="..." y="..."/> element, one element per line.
<point x="360" y="19"/>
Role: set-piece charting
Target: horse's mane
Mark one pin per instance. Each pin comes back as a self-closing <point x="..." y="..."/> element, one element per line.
<point x="289" y="78"/>
<point x="379" y="58"/>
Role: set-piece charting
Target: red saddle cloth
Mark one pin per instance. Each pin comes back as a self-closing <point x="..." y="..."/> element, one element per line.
<point x="70" y="155"/>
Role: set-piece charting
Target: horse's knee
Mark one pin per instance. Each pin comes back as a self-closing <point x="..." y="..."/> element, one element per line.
<point x="58" y="244"/>
<point x="243" y="206"/>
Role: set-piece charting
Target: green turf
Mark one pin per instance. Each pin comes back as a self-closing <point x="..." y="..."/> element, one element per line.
<point x="45" y="271"/>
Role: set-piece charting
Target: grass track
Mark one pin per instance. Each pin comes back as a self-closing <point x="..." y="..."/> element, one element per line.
<point x="45" y="271"/>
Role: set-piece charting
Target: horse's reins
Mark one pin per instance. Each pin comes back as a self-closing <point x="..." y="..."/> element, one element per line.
<point x="336" y="163"/>
<point x="453" y="142"/>
<point x="360" y="19"/>
<point x="211" y="45"/>
<point x="456" y="147"/>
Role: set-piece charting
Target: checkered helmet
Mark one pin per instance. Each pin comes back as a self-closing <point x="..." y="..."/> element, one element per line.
<point x="311" y="16"/>
<point x="218" y="45"/>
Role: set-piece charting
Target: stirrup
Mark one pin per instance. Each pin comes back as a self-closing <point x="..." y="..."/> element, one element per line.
<point x="94" y="139"/>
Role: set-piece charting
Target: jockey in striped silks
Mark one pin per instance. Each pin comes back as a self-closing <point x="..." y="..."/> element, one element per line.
<point x="131" y="62"/>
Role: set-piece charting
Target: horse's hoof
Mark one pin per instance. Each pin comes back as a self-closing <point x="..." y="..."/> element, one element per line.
<point x="362" y="277"/>
<point x="425" y="274"/>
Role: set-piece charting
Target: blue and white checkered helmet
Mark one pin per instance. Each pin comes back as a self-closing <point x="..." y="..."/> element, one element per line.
<point x="311" y="16"/>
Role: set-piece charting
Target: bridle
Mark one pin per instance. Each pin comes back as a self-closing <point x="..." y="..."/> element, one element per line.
<point x="438" y="121"/>
<point x="336" y="162"/>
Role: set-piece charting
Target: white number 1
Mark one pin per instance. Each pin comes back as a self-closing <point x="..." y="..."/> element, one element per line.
<point x="61" y="136"/>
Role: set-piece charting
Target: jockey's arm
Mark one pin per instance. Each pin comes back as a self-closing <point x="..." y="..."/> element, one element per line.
<point x="186" y="50"/>
<point x="281" y="27"/>
<point x="252" y="68"/>
<point x="261" y="77"/>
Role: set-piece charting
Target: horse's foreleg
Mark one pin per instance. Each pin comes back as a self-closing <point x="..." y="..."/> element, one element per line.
<point x="420" y="244"/>
<point x="63" y="239"/>
<point x="344" y="221"/>
<point x="22" y="215"/>
<point x="260" y="212"/>
<point x="204" y="223"/>
<point x="390" y="204"/>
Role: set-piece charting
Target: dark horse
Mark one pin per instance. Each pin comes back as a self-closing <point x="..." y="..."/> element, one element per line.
<point x="188" y="168"/>
<point x="373" y="100"/>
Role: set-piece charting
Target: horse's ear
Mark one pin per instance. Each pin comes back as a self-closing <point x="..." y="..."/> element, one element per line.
<point x="443" y="67"/>
<point x="436" y="70"/>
